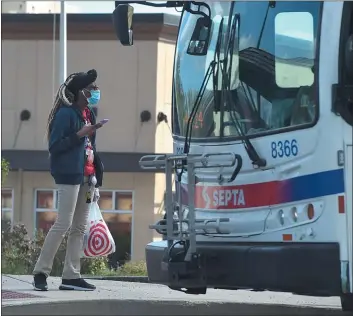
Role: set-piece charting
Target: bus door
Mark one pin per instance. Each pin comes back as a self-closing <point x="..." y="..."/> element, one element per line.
<point x="343" y="106"/>
<point x="349" y="209"/>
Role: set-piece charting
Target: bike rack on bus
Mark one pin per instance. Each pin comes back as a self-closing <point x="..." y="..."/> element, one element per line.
<point x="180" y="230"/>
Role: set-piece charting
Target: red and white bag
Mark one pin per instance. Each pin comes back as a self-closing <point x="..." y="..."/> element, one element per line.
<point x="98" y="241"/>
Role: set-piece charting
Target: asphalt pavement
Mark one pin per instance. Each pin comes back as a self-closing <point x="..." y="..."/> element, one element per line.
<point x="132" y="298"/>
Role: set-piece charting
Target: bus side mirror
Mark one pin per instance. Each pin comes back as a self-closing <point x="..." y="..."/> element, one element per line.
<point x="200" y="38"/>
<point x="348" y="58"/>
<point x="122" y="20"/>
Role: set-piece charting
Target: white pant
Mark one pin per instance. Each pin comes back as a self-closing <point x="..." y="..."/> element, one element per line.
<point x="72" y="214"/>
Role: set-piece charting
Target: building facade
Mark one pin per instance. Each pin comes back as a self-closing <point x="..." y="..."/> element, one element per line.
<point x="30" y="6"/>
<point x="135" y="83"/>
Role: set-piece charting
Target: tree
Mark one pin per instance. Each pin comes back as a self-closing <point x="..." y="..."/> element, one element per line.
<point x="5" y="168"/>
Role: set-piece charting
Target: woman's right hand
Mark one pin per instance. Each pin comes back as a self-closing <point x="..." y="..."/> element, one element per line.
<point x="86" y="130"/>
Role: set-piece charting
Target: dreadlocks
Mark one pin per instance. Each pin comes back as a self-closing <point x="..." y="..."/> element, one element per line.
<point x="69" y="91"/>
<point x="63" y="96"/>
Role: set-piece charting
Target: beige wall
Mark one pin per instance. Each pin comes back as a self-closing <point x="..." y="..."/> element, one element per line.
<point x="126" y="76"/>
<point x="164" y="95"/>
<point x="32" y="7"/>
<point x="132" y="79"/>
<point x="13" y="6"/>
<point x="164" y="141"/>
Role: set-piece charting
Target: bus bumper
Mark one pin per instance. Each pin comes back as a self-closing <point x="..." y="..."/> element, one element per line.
<point x="307" y="269"/>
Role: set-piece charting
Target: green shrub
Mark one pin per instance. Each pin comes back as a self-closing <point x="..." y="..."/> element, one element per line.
<point x="133" y="268"/>
<point x="5" y="168"/>
<point x="127" y="269"/>
<point x="19" y="254"/>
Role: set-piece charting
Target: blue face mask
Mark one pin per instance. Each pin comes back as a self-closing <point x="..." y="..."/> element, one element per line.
<point x="95" y="97"/>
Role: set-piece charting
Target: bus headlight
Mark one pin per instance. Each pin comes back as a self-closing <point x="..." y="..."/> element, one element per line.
<point x="281" y="217"/>
<point x="184" y="227"/>
<point x="184" y="224"/>
<point x="185" y="216"/>
<point x="294" y="214"/>
<point x="186" y="213"/>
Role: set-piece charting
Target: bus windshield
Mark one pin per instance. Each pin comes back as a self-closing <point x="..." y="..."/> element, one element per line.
<point x="273" y="70"/>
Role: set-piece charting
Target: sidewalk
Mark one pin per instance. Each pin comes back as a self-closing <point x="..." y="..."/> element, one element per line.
<point x="126" y="298"/>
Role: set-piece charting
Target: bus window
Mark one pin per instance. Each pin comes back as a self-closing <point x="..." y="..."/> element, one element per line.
<point x="295" y="52"/>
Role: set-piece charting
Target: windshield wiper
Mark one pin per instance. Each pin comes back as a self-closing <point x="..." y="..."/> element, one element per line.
<point x="210" y="71"/>
<point x="227" y="74"/>
<point x="196" y="106"/>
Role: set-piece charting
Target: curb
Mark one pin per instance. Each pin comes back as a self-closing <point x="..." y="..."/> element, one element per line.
<point x="156" y="307"/>
<point x="136" y="279"/>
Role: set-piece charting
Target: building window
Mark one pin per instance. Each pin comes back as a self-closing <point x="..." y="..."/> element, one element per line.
<point x="46" y="209"/>
<point x="6" y="208"/>
<point x="117" y="210"/>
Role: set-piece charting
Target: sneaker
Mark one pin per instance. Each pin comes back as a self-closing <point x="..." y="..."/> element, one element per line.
<point x="40" y="282"/>
<point x="76" y="284"/>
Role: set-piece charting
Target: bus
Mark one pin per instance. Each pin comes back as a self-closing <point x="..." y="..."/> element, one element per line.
<point x="259" y="186"/>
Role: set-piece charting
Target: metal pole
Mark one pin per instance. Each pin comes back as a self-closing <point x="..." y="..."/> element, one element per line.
<point x="54" y="56"/>
<point x="63" y="43"/>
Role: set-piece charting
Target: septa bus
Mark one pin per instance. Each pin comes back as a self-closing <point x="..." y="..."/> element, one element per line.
<point x="262" y="111"/>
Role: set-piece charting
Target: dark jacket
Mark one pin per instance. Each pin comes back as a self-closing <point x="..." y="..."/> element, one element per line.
<point x="67" y="152"/>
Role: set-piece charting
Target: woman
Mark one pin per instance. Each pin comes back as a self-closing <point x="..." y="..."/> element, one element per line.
<point x="77" y="171"/>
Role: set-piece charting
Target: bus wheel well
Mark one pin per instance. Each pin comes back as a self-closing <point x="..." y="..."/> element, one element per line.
<point x="347" y="302"/>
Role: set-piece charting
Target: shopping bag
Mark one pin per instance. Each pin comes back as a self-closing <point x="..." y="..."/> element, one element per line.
<point x="98" y="241"/>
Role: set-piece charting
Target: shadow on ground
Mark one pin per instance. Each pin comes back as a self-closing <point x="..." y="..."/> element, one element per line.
<point x="134" y="307"/>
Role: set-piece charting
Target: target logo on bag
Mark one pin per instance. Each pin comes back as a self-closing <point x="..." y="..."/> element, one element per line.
<point x="98" y="242"/>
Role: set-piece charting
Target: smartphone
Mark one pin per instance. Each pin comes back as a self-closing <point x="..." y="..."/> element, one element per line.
<point x="101" y="123"/>
<point x="104" y="121"/>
